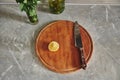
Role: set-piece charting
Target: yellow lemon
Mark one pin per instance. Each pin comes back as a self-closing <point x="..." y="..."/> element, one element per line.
<point x="53" y="46"/>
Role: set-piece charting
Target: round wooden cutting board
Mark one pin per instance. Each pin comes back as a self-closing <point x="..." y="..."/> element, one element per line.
<point x="67" y="58"/>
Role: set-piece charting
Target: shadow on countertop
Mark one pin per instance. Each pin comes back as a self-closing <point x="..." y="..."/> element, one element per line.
<point x="6" y="13"/>
<point x="44" y="7"/>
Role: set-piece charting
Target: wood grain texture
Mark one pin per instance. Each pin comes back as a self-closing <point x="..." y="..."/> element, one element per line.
<point x="66" y="59"/>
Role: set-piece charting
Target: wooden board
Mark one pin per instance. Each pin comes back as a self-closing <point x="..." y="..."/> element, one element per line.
<point x="66" y="59"/>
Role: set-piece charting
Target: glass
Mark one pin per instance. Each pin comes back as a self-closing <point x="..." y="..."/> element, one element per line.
<point x="32" y="15"/>
<point x="56" y="6"/>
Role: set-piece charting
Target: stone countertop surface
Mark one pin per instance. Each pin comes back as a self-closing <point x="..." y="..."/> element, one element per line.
<point x="76" y="1"/>
<point x="18" y="60"/>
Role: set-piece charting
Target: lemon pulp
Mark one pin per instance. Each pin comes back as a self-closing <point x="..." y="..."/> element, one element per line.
<point x="53" y="46"/>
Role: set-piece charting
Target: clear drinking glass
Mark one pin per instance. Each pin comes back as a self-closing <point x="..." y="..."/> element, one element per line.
<point x="56" y="6"/>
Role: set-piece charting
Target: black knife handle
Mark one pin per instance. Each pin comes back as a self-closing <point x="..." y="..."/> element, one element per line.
<point x="83" y="62"/>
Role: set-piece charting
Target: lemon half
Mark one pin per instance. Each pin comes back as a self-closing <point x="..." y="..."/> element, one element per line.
<point x="53" y="46"/>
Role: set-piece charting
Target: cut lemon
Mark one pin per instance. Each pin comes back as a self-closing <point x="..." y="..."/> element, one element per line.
<point x="53" y="46"/>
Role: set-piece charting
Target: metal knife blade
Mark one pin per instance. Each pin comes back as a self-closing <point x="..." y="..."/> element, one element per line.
<point x="78" y="44"/>
<point x="78" y="40"/>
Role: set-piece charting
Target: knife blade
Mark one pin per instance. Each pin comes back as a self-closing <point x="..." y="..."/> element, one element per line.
<point x="78" y="44"/>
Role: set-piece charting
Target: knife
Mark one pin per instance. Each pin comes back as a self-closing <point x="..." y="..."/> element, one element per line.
<point x="78" y="44"/>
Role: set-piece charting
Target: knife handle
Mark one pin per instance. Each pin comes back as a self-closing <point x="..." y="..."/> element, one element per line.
<point x="83" y="62"/>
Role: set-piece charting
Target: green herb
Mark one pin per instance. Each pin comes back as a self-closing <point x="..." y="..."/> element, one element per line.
<point x="29" y="6"/>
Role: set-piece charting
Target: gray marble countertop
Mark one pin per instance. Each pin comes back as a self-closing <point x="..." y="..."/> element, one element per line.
<point x="76" y="1"/>
<point x="18" y="60"/>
